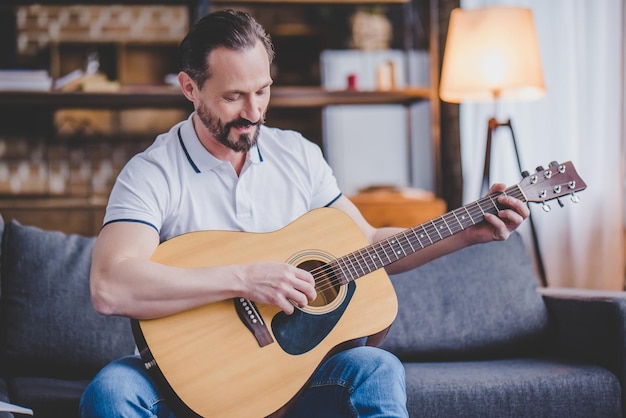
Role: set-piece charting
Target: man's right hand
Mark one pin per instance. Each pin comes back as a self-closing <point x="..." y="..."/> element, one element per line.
<point x="277" y="284"/>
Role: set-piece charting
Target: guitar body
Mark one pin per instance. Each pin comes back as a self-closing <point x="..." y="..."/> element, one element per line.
<point x="216" y="365"/>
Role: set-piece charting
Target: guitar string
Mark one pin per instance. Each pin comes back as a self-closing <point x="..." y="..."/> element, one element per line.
<point x="388" y="244"/>
<point x="474" y="210"/>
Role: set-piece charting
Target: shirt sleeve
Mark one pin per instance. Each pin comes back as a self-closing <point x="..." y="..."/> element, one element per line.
<point x="138" y="194"/>
<point x="325" y="189"/>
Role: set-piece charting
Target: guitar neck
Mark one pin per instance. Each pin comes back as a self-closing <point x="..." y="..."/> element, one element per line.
<point x="382" y="253"/>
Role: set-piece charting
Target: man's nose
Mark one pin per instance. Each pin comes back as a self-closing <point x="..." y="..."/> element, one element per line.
<point x="252" y="109"/>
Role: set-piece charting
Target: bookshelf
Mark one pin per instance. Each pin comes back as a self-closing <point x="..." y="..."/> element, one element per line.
<point x="78" y="207"/>
<point x="165" y="97"/>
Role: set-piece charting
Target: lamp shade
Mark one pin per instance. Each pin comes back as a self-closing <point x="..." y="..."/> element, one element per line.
<point x="491" y="53"/>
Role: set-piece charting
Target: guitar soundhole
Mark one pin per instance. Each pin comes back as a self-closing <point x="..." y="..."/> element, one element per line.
<point x="326" y="284"/>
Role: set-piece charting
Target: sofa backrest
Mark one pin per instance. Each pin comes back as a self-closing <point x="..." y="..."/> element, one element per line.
<point x="478" y="302"/>
<point x="48" y="326"/>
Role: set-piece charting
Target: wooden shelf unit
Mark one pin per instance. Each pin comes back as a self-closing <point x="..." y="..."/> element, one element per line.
<point x="356" y="2"/>
<point x="85" y="211"/>
<point x="164" y="97"/>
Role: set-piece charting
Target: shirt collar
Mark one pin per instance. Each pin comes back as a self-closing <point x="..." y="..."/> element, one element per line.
<point x="199" y="158"/>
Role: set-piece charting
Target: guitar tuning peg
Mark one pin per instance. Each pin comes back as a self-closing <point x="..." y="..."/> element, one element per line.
<point x="558" y="199"/>
<point x="539" y="168"/>
<point x="525" y="174"/>
<point x="553" y="164"/>
<point x="546" y="208"/>
<point x="574" y="198"/>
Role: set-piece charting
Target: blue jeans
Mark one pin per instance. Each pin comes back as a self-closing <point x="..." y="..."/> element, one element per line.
<point x="359" y="382"/>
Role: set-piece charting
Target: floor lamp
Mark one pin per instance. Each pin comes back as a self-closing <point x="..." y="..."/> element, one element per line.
<point x="492" y="55"/>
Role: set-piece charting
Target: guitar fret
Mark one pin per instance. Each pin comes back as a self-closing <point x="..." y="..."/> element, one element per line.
<point x="358" y="263"/>
<point x="393" y="250"/>
<point x="355" y="265"/>
<point x="351" y="266"/>
<point x="441" y="227"/>
<point x="470" y="215"/>
<point x="378" y="256"/>
<point x="417" y="237"/>
<point x="364" y="252"/>
<point x="374" y="257"/>
<point x="443" y="218"/>
<point x="401" y="245"/>
<point x="369" y="262"/>
<point x="382" y="247"/>
<point x="345" y="269"/>
<point x="457" y="219"/>
<point x="436" y="230"/>
<point x="454" y="223"/>
<point x="520" y="194"/>
<point x="426" y="232"/>
<point x="408" y="241"/>
<point x="494" y="203"/>
<point x="480" y="207"/>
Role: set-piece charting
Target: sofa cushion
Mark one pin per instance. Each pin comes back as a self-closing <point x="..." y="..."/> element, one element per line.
<point x="48" y="398"/>
<point x="475" y="303"/>
<point x="4" y="397"/>
<point x="523" y="387"/>
<point x="2" y="363"/>
<point x="48" y="325"/>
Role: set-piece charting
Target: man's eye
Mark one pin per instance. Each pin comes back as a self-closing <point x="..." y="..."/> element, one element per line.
<point x="231" y="97"/>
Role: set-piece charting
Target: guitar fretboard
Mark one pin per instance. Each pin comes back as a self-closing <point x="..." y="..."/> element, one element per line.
<point x="380" y="254"/>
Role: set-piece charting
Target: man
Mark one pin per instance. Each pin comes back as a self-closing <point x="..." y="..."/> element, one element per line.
<point x="222" y="169"/>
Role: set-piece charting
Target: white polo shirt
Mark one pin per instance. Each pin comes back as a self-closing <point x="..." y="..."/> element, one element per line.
<point x="176" y="186"/>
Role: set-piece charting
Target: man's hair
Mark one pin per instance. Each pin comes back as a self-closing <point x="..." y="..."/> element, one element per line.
<point x="235" y="30"/>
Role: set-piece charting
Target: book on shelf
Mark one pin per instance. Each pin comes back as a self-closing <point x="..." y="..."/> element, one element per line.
<point x="25" y="80"/>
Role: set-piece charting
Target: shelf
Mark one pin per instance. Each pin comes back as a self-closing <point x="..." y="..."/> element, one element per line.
<point x="167" y="97"/>
<point x="128" y="97"/>
<point x="317" y="1"/>
<point x="97" y="2"/>
<point x="45" y="203"/>
<point x="318" y="97"/>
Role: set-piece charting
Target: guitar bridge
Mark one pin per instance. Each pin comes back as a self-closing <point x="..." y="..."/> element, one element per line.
<point x="251" y="318"/>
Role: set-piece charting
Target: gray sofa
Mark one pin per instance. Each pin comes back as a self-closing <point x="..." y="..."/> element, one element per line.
<point x="475" y="335"/>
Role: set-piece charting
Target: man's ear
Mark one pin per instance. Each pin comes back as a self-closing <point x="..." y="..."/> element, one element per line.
<point x="187" y="85"/>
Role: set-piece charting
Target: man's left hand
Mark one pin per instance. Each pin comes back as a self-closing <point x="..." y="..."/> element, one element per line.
<point x="500" y="226"/>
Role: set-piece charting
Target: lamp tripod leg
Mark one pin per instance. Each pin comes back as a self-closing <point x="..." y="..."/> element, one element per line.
<point x="491" y="127"/>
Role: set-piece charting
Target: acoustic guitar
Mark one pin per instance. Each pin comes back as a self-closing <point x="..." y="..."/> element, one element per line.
<point x="236" y="358"/>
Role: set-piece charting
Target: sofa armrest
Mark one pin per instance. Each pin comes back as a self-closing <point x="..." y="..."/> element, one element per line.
<point x="589" y="326"/>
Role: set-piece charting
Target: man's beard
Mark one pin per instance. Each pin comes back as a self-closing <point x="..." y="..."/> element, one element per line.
<point x="220" y="131"/>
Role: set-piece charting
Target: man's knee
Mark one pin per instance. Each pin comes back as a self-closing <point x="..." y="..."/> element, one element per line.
<point x="118" y="385"/>
<point x="369" y="361"/>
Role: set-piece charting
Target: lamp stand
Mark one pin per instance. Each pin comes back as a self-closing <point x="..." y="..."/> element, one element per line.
<point x="492" y="126"/>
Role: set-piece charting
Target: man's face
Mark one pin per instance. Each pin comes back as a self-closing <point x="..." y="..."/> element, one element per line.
<point x="234" y="99"/>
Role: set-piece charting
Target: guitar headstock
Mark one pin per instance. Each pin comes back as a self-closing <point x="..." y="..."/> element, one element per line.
<point x="558" y="180"/>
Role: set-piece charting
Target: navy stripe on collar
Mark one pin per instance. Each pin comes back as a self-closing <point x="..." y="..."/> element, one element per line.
<point x="258" y="149"/>
<point x="193" y="165"/>
<point x="182" y="144"/>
